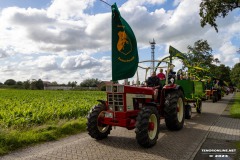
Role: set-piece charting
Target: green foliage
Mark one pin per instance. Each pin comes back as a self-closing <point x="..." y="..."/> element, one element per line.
<point x="10" y="82"/>
<point x="200" y="54"/>
<point x="39" y="84"/>
<point x="26" y="84"/>
<point x="235" y="75"/>
<point x="32" y="116"/>
<point x="199" y="59"/>
<point x="72" y="84"/>
<point x="90" y="83"/>
<point x="235" y="112"/>
<point x="235" y="108"/>
<point x="221" y="72"/>
<point x="238" y="150"/>
<point x="26" y="108"/>
<point x="13" y="139"/>
<point x="211" y="9"/>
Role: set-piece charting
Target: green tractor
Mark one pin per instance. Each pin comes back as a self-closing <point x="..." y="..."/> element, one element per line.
<point x="192" y="85"/>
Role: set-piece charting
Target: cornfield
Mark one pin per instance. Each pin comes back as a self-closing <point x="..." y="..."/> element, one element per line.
<point x="26" y="108"/>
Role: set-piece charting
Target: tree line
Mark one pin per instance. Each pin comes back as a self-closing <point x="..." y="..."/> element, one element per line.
<point x="39" y="84"/>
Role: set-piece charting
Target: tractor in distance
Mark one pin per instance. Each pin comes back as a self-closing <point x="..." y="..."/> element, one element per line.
<point x="139" y="108"/>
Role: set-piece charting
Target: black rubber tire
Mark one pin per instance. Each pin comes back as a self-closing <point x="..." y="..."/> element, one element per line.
<point x="171" y="110"/>
<point x="219" y="96"/>
<point x="142" y="127"/>
<point x="93" y="127"/>
<point x="213" y="99"/>
<point x="188" y="111"/>
<point x="199" y="107"/>
<point x="216" y="96"/>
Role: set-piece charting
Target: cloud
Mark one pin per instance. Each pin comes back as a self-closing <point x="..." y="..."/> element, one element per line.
<point x="65" y="41"/>
<point x="62" y="9"/>
<point x="3" y="53"/>
<point x="82" y="61"/>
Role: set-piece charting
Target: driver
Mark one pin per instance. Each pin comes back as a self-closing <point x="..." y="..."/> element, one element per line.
<point x="154" y="82"/>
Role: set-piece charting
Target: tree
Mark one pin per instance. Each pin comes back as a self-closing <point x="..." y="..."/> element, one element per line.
<point x="19" y="83"/>
<point x="54" y="83"/>
<point x="72" y="84"/>
<point x="235" y="75"/>
<point x="10" y="82"/>
<point x="90" y="83"/>
<point x="211" y="9"/>
<point x="39" y="84"/>
<point x="200" y="54"/>
<point x="221" y="72"/>
<point x="33" y="84"/>
<point x="26" y="84"/>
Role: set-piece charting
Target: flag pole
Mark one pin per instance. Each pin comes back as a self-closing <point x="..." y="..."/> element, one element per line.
<point x="106" y="3"/>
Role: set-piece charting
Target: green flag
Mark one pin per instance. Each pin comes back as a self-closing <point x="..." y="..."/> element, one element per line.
<point x="124" y="48"/>
<point x="173" y="51"/>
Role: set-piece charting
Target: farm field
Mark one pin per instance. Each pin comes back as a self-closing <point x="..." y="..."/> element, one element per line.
<point x="32" y="116"/>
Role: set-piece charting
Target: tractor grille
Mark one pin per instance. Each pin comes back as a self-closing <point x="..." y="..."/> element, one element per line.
<point x="115" y="100"/>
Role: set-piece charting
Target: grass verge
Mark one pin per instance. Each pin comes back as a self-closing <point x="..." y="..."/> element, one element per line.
<point x="12" y="139"/>
<point x="235" y="108"/>
<point x="235" y="113"/>
<point x="238" y="150"/>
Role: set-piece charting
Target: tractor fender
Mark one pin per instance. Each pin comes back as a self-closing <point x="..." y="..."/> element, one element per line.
<point x="174" y="87"/>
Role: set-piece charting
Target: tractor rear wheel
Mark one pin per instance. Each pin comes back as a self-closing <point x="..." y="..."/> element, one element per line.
<point x="96" y="129"/>
<point x="147" y="126"/>
<point x="174" y="110"/>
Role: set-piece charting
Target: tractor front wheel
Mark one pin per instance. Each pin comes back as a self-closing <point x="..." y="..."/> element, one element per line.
<point x="147" y="126"/>
<point x="96" y="129"/>
<point x="174" y="110"/>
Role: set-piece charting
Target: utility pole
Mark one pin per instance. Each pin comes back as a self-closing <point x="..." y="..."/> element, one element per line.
<point x="153" y="54"/>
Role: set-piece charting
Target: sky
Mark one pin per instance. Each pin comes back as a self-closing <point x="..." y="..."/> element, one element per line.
<point x="70" y="40"/>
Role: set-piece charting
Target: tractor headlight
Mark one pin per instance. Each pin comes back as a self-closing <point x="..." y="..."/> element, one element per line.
<point x="108" y="115"/>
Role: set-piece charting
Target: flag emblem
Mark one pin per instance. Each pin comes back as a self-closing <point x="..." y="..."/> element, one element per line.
<point x="124" y="44"/>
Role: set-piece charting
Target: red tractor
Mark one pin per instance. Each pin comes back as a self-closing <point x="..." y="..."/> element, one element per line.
<point x="137" y="107"/>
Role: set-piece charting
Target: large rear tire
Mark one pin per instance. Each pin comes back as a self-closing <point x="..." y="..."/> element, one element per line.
<point x="174" y="110"/>
<point x="95" y="128"/>
<point x="147" y="126"/>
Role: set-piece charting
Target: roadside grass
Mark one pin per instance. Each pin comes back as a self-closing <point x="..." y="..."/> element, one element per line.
<point x="238" y="150"/>
<point x="12" y="139"/>
<point x="235" y="108"/>
<point x="235" y="113"/>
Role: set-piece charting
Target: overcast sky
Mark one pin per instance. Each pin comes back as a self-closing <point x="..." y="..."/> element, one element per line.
<point x="70" y="40"/>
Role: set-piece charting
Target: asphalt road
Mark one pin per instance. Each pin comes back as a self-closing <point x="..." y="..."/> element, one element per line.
<point x="121" y="143"/>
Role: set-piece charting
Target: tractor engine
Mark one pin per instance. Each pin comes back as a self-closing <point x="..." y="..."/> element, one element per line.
<point x="124" y="103"/>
